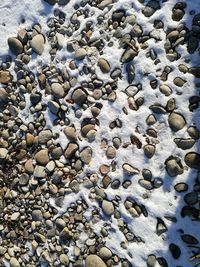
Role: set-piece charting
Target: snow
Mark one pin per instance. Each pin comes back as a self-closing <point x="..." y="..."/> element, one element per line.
<point x="162" y="201"/>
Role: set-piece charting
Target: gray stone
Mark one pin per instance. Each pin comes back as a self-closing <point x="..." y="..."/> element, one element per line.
<point x="15" y="45"/>
<point x="94" y="261"/>
<point x="149" y="150"/>
<point x="184" y="143"/>
<point x="57" y="90"/>
<point x="86" y="155"/>
<point x="105" y="253"/>
<point x="3" y="153"/>
<point x="37" y="44"/>
<point x="174" y="166"/>
<point x="181" y="187"/>
<point x="14" y="262"/>
<point x="108" y="208"/>
<point x="79" y="96"/>
<point x="37" y="215"/>
<point x="111" y="152"/>
<point x="64" y="259"/>
<point x="70" y="132"/>
<point x="39" y="172"/>
<point x="44" y="136"/>
<point x="53" y="107"/>
<point x="176" y="121"/>
<point x="145" y="184"/>
<point x="151" y="261"/>
<point x="191" y="198"/>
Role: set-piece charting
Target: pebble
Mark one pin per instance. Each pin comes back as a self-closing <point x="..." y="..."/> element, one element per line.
<point x="64" y="259"/>
<point x="175" y="251"/>
<point x="176" y="121"/>
<point x="181" y="187"/>
<point x="37" y="44"/>
<point x="94" y="261"/>
<point x="5" y="78"/>
<point x="86" y="155"/>
<point x="71" y="150"/>
<point x="191" y="198"/>
<point x="39" y="172"/>
<point x="79" y="96"/>
<point x="14" y="262"/>
<point x="70" y="132"/>
<point x="108" y="208"/>
<point x="57" y="90"/>
<point x="80" y="53"/>
<point x="104" y="65"/>
<point x="44" y="136"/>
<point x="15" y="45"/>
<point x="105" y="253"/>
<point x="3" y="153"/>
<point x="173" y="166"/>
<point x="129" y="169"/>
<point x="192" y="159"/>
<point x="42" y="157"/>
<point x="149" y="150"/>
<point x="128" y="55"/>
<point x="184" y="143"/>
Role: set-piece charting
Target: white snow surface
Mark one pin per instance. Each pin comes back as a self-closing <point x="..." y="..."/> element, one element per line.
<point x="162" y="201"/>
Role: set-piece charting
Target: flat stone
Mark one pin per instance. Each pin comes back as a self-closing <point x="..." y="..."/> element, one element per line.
<point x="181" y="187"/>
<point x="129" y="169"/>
<point x="94" y="261"/>
<point x="105" y="253"/>
<point x="39" y="172"/>
<point x="184" y="143"/>
<point x="14" y="262"/>
<point x="5" y="78"/>
<point x="192" y="159"/>
<point x="189" y="239"/>
<point x="80" y="53"/>
<point x="86" y="155"/>
<point x="37" y="44"/>
<point x="44" y="136"/>
<point x="71" y="150"/>
<point x="57" y="90"/>
<point x="15" y="45"/>
<point x="3" y="153"/>
<point x="104" y="65"/>
<point x="108" y="208"/>
<point x="42" y="157"/>
<point x="176" y="121"/>
<point x="79" y="96"/>
<point x="15" y="216"/>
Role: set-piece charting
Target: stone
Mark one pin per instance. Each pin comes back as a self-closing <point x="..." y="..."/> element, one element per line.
<point x="189" y="239"/>
<point x="196" y="20"/>
<point x="15" y="45"/>
<point x="70" y="132"/>
<point x="181" y="187"/>
<point x="37" y="215"/>
<point x="149" y="150"/>
<point x="64" y="259"/>
<point x="51" y="2"/>
<point x="108" y="208"/>
<point x="42" y="157"/>
<point x="63" y="2"/>
<point x="174" y="166"/>
<point x="191" y="198"/>
<point x="184" y="143"/>
<point x="39" y="172"/>
<point x="3" y="153"/>
<point x="176" y="121"/>
<point x="192" y="159"/>
<point x="129" y="169"/>
<point x="79" y="96"/>
<point x="71" y="150"/>
<point x="44" y="136"/>
<point x="65" y="235"/>
<point x="151" y="260"/>
<point x="24" y="179"/>
<point x="104" y="65"/>
<point x="53" y="107"/>
<point x="145" y="184"/>
<point x="165" y="89"/>
<point x="195" y="71"/>
<point x="37" y="44"/>
<point x="15" y="216"/>
<point x="57" y="90"/>
<point x="111" y="152"/>
<point x="30" y="139"/>
<point x="175" y="250"/>
<point x="178" y="81"/>
<point x="128" y="55"/>
<point x="2" y="250"/>
<point x="105" y="253"/>
<point x="29" y="166"/>
<point x="94" y="261"/>
<point x="86" y="155"/>
<point x="80" y="53"/>
<point x="61" y="40"/>
<point x="5" y="78"/>
<point x="3" y="96"/>
<point x="14" y="262"/>
<point x="173" y="36"/>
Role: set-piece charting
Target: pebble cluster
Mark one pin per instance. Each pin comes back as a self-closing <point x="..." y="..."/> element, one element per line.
<point x="82" y="134"/>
